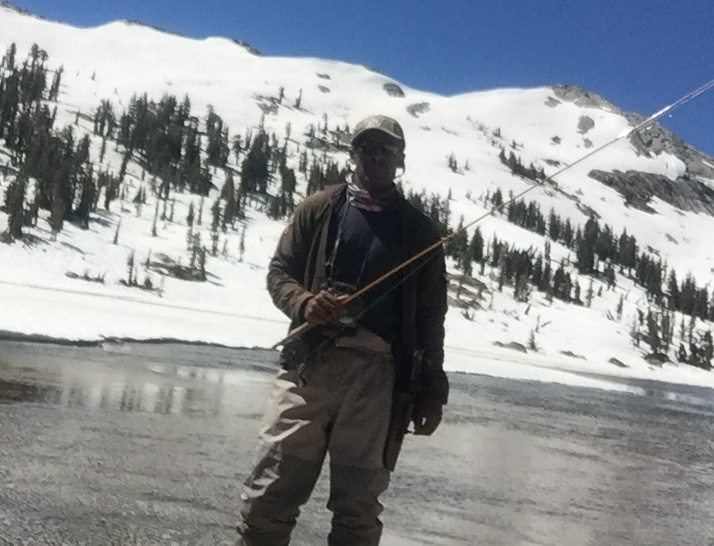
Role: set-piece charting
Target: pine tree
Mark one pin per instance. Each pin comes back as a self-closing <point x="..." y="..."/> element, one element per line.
<point x="202" y="276"/>
<point x="610" y="275"/>
<point x="254" y="169"/>
<point x="554" y="225"/>
<point x="476" y="246"/>
<point x="666" y="329"/>
<point x="116" y="233"/>
<point x="521" y="292"/>
<point x="53" y="92"/>
<point x="130" y="269"/>
<point x="466" y="265"/>
<point x="111" y="190"/>
<point x="501" y="272"/>
<point x="154" y="222"/>
<point x="682" y="330"/>
<point x="288" y="181"/>
<point x="589" y="294"/>
<point x="707" y="350"/>
<point x="194" y="251"/>
<point x="164" y="211"/>
<point x="460" y="243"/>
<point x="452" y="163"/>
<point x="200" y="211"/>
<point x="57" y="212"/>
<point x="497" y="199"/>
<point x="241" y="247"/>
<point x="532" y="341"/>
<point x="215" y="222"/>
<point x="537" y="274"/>
<point x="586" y="247"/>
<point x="189" y="237"/>
<point x="653" y="333"/>
<point x="8" y="60"/>
<point x="690" y="329"/>
<point x="88" y="192"/>
<point x="15" y="206"/>
<point x="228" y="194"/>
<point x="567" y="234"/>
<point x="559" y="282"/>
<point x="635" y="332"/>
<point x="189" y="216"/>
<point x="682" y="355"/>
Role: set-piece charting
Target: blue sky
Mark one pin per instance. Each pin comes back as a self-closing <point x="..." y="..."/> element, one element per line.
<point x="639" y="54"/>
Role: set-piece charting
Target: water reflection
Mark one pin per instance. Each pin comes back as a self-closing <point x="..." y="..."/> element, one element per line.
<point x="133" y="385"/>
<point x="17" y="391"/>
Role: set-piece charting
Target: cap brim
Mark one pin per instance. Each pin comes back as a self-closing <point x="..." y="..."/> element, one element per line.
<point x="381" y="130"/>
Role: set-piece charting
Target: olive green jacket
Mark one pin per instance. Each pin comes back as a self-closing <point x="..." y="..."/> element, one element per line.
<point x="297" y="271"/>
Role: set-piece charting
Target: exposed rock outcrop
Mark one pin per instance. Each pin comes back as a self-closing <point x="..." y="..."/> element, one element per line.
<point x="617" y="362"/>
<point x="585" y="124"/>
<point x="512" y="345"/>
<point x="580" y="97"/>
<point x="655" y="139"/>
<point x="638" y="188"/>
<point x="393" y="90"/>
<point x="418" y="108"/>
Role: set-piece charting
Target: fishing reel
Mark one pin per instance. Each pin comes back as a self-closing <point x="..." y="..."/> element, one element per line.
<point x="354" y="309"/>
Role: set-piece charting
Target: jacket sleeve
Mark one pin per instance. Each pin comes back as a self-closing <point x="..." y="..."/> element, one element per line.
<point x="430" y="315"/>
<point x="287" y="267"/>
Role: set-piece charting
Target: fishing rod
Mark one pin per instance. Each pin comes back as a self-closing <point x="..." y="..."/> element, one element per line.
<point x="346" y="300"/>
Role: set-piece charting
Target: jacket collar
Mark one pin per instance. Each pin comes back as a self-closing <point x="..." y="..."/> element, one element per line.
<point x="337" y="193"/>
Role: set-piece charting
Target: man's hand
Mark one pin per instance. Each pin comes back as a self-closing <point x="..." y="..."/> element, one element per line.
<point x="426" y="418"/>
<point x="324" y="307"/>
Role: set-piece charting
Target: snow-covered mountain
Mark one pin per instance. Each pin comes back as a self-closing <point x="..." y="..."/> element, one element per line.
<point x="653" y="185"/>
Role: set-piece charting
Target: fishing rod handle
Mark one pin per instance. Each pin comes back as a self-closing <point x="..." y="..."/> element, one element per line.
<point x="294" y="333"/>
<point x="307" y="326"/>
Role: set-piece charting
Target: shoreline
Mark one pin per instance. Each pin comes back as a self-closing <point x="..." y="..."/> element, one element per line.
<point x="632" y="383"/>
<point x="20" y="337"/>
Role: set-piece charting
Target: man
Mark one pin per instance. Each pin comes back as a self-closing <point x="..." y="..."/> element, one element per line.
<point x="334" y="394"/>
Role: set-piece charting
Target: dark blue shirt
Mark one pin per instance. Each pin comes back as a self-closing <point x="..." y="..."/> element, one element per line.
<point x="369" y="245"/>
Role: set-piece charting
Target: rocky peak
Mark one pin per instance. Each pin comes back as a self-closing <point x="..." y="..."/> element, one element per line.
<point x="581" y="97"/>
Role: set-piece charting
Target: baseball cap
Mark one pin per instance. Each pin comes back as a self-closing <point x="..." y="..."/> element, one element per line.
<point x="379" y="123"/>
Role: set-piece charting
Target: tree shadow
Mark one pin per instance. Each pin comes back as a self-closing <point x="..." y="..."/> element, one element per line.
<point x="72" y="247"/>
<point x="101" y="221"/>
<point x="33" y="241"/>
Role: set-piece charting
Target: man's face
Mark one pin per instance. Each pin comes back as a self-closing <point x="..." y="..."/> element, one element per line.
<point x="376" y="156"/>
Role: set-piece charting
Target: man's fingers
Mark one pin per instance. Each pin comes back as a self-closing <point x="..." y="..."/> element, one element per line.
<point x="426" y="421"/>
<point x="323" y="307"/>
<point x="431" y="424"/>
<point x="328" y="306"/>
<point x="318" y="313"/>
<point x="427" y="426"/>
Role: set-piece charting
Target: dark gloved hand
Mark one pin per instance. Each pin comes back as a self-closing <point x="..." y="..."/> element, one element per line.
<point x="426" y="417"/>
<point x="324" y="307"/>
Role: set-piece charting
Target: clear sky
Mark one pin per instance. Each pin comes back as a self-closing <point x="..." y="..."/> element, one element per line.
<point x="639" y="54"/>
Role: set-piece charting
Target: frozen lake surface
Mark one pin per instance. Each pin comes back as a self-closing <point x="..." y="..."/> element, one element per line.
<point x="149" y="443"/>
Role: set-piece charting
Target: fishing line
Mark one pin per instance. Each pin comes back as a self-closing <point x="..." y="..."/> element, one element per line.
<point x="305" y="327"/>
